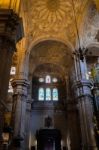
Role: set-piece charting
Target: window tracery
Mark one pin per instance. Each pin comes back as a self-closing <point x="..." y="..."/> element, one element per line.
<point x="41" y="94"/>
<point x="48" y="91"/>
<point x="55" y="94"/>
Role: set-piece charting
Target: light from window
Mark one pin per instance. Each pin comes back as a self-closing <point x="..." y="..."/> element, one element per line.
<point x="48" y="94"/>
<point x="10" y="89"/>
<point x="41" y="79"/>
<point x="48" y="79"/>
<point x="41" y="94"/>
<point x="13" y="71"/>
<point x="55" y="94"/>
<point x="54" y="80"/>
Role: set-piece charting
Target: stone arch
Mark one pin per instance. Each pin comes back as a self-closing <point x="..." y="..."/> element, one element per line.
<point x="41" y="64"/>
<point x="52" y="68"/>
<point x="33" y="43"/>
<point x="62" y="53"/>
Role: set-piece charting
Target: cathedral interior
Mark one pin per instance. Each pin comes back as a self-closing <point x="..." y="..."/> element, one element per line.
<point x="49" y="74"/>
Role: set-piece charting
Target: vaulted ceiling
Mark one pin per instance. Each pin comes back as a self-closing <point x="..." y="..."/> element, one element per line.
<point x="51" y="52"/>
<point x="55" y="18"/>
<point x="50" y="29"/>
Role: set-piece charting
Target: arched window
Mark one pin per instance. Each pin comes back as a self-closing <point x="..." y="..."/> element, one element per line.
<point x="41" y="94"/>
<point x="10" y="89"/>
<point x="48" y="91"/>
<point x="41" y="80"/>
<point x="13" y="70"/>
<point x="48" y="79"/>
<point x="54" y="80"/>
<point x="48" y="94"/>
<point x="55" y="94"/>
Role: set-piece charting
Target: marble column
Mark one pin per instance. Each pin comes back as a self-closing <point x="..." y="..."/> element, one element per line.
<point x="84" y="98"/>
<point x="19" y="111"/>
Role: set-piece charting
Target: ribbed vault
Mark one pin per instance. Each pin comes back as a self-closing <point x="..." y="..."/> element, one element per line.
<point x="50" y="20"/>
<point x="54" y="18"/>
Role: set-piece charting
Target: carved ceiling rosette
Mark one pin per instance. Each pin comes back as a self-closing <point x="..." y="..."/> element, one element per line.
<point x="54" y="18"/>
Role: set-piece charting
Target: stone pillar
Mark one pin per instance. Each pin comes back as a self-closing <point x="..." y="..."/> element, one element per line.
<point x="6" y="52"/>
<point x="73" y="125"/>
<point x="74" y="133"/>
<point x="84" y="98"/>
<point x="28" y="123"/>
<point x="1" y="127"/>
<point x="95" y="92"/>
<point x="19" y="111"/>
<point x="10" y="34"/>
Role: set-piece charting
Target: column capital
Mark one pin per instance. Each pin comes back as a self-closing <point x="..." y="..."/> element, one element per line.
<point x="83" y="88"/>
<point x="20" y="86"/>
<point x="10" y="27"/>
<point x="80" y="83"/>
<point x="22" y="82"/>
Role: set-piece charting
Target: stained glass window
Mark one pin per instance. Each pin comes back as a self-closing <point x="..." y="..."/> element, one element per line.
<point x="41" y="94"/>
<point x="41" y="79"/>
<point x="55" y="94"/>
<point x="13" y="70"/>
<point x="48" y="79"/>
<point x="54" y="80"/>
<point x="48" y="94"/>
<point x="45" y="92"/>
<point x="10" y="89"/>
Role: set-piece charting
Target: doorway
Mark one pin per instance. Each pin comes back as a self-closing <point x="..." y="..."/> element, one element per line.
<point x="49" y="139"/>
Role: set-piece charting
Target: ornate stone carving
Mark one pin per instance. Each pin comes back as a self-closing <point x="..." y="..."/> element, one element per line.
<point x="15" y="59"/>
<point x="54" y="18"/>
<point x="10" y="28"/>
